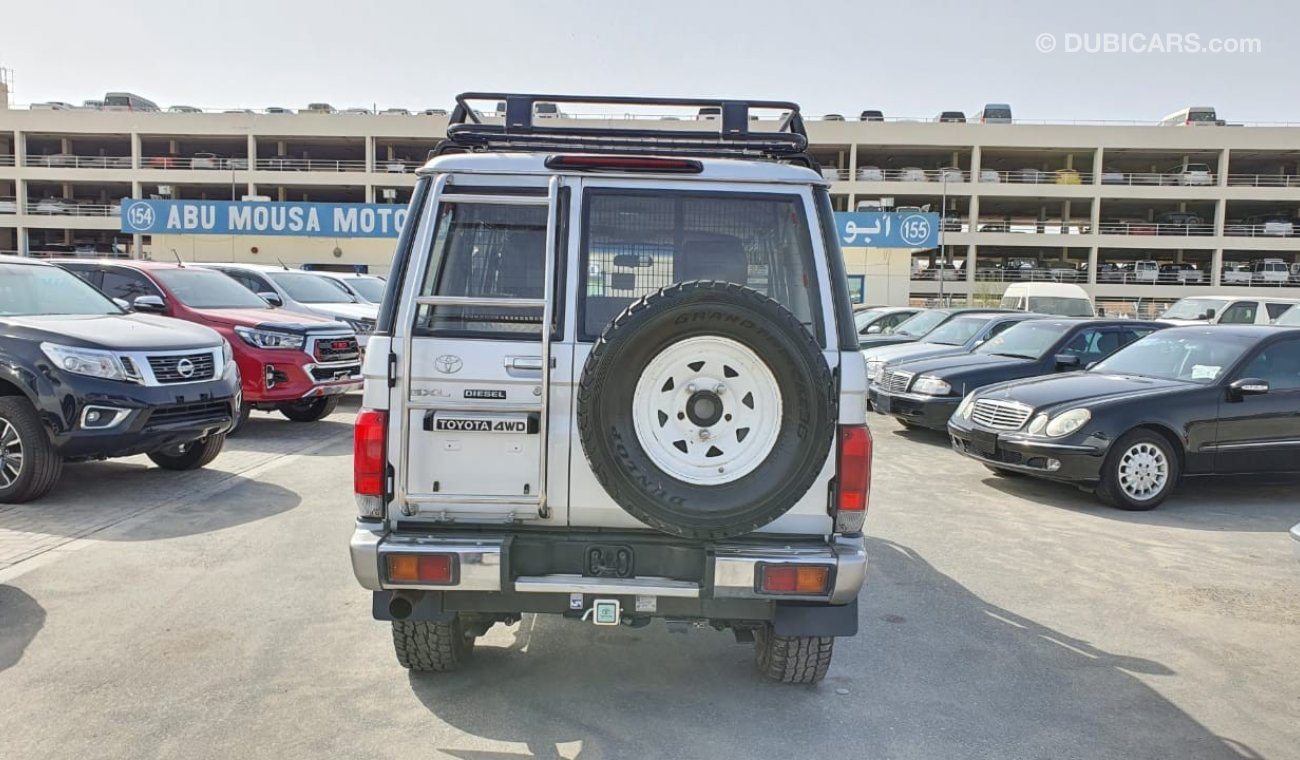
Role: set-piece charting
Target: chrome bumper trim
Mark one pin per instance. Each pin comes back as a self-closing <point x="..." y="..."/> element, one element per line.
<point x="735" y="568"/>
<point x="577" y="584"/>
<point x="478" y="560"/>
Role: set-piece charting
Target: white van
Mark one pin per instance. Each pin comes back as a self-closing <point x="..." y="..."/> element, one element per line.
<point x="1227" y="310"/>
<point x="1055" y="298"/>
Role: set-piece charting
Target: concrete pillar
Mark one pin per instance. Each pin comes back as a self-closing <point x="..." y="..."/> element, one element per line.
<point x="1216" y="267"/>
<point x="853" y="167"/>
<point x="173" y="147"/>
<point x="976" y="158"/>
<point x="1092" y="264"/>
<point x="1097" y="157"/>
<point x="973" y="219"/>
<point x="137" y="151"/>
<point x="370" y="154"/>
<point x="1224" y="167"/>
<point x="280" y="148"/>
<point x="970" y="267"/>
<point x="251" y="186"/>
<point x="20" y="240"/>
<point x="1220" y="215"/>
<point x="65" y="145"/>
<point x="20" y="148"/>
<point x="370" y="193"/>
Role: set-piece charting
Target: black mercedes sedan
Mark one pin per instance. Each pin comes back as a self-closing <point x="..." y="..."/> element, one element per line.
<point x="1182" y="401"/>
<point x="959" y="335"/>
<point x="914" y="328"/>
<point x="926" y="392"/>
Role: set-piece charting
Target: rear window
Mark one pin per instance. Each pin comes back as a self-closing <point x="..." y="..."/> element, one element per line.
<point x="637" y="242"/>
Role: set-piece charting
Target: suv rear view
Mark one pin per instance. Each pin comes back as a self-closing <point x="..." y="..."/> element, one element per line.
<point x="618" y="380"/>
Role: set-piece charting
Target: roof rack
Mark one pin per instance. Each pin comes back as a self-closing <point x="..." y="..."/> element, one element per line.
<point x="518" y="130"/>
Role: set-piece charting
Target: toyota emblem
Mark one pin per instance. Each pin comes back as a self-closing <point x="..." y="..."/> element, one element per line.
<point x="185" y="368"/>
<point x="448" y="364"/>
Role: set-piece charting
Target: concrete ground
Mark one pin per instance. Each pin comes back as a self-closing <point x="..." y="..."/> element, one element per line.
<point x="214" y="615"/>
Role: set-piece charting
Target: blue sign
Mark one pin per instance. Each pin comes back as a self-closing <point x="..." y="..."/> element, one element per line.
<point x="350" y="220"/>
<point x="887" y="229"/>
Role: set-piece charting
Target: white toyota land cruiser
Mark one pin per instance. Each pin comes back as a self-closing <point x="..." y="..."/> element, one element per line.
<point x="616" y="378"/>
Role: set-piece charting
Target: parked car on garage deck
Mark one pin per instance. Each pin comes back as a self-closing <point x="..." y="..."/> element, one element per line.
<point x="1183" y="401"/>
<point x="80" y="378"/>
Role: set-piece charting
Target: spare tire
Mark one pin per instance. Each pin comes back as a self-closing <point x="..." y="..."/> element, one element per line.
<point x="706" y="410"/>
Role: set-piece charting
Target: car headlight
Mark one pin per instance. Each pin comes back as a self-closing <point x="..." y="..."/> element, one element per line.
<point x="874" y="369"/>
<point x="1037" y="425"/>
<point x="86" y="361"/>
<point x="966" y="406"/>
<point x="1068" y="422"/>
<point x="260" y="338"/>
<point x="931" y="386"/>
<point x="227" y="353"/>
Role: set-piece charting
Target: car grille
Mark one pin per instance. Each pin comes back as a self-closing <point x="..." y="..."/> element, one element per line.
<point x="190" y="368"/>
<point x="180" y="413"/>
<point x="333" y="350"/>
<point x="1000" y="415"/>
<point x="895" y="382"/>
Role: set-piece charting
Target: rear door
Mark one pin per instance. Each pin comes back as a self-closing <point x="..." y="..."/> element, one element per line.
<point x="633" y="239"/>
<point x="481" y="424"/>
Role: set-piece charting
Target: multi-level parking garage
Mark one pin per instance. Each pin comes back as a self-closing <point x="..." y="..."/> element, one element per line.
<point x="1135" y="213"/>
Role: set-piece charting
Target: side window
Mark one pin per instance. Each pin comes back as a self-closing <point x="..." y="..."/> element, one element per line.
<point x="91" y="276"/>
<point x="1279" y="364"/>
<point x="486" y="250"/>
<point x="998" y="328"/>
<point x="890" y="321"/>
<point x="1093" y="344"/>
<point x="248" y="281"/>
<point x="1129" y="335"/>
<point x="1240" y="313"/>
<point x="638" y="242"/>
<point x="1276" y="310"/>
<point x="125" y="284"/>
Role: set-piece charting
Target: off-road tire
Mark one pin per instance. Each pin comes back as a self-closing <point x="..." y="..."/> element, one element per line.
<point x="656" y="322"/>
<point x="431" y="647"/>
<point x="41" y="463"/>
<point x="197" y="454"/>
<point x="241" y="419"/>
<point x="792" y="659"/>
<point x="310" y="410"/>
<point x="1109" y="489"/>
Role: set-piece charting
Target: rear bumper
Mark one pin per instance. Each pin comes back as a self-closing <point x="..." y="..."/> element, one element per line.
<point x="729" y="572"/>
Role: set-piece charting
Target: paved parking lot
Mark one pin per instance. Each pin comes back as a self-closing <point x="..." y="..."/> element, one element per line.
<point x="213" y="614"/>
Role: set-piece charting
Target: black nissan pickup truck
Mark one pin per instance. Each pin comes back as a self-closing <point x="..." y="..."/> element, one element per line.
<point x="82" y="378"/>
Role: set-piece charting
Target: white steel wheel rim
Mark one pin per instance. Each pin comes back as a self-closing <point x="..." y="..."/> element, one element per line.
<point x="721" y="377"/>
<point x="1143" y="471"/>
<point x="11" y="454"/>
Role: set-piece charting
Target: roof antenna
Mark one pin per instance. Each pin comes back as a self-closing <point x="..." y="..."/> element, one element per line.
<point x="179" y="263"/>
<point x="282" y="264"/>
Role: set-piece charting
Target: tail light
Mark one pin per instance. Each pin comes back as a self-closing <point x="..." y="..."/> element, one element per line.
<point x="794" y="579"/>
<point x="853" y="479"/>
<point x="437" y="569"/>
<point x="369" y="463"/>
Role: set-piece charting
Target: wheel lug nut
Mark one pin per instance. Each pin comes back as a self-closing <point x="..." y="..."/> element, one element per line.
<point x="719" y="389"/>
<point x="690" y="387"/>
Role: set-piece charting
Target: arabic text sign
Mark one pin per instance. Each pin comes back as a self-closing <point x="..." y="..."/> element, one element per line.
<point x="887" y="229"/>
<point x="151" y="217"/>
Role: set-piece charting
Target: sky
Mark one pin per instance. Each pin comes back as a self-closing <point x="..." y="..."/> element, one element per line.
<point x="914" y="58"/>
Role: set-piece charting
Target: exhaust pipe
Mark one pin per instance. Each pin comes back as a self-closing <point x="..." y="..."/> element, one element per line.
<point x="402" y="604"/>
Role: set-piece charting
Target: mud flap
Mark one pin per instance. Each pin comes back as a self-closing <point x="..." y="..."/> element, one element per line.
<point x="811" y="619"/>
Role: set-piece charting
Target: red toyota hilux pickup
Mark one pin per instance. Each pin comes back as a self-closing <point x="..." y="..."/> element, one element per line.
<point x="293" y="363"/>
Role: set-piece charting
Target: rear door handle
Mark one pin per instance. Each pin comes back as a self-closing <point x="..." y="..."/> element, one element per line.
<point x="526" y="363"/>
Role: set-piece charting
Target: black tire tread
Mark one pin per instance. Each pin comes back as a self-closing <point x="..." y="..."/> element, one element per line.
<point x="793" y="659"/>
<point x="39" y="453"/>
<point x="316" y="410"/>
<point x="200" y="455"/>
<point x="431" y="647"/>
<point x="587" y="388"/>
